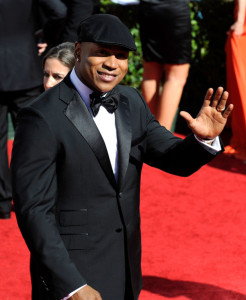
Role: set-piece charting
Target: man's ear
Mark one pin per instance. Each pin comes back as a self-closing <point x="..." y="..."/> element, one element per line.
<point x="77" y="51"/>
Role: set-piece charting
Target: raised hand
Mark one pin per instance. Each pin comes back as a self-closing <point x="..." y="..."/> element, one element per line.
<point x="212" y="117"/>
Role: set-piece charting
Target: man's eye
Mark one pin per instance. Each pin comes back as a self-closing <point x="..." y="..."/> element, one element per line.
<point x="46" y="74"/>
<point x="122" y="56"/>
<point x="102" y="52"/>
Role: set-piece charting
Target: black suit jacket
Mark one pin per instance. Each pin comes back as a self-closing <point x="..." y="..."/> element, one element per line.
<point x="65" y="30"/>
<point x="20" y="65"/>
<point x="77" y="10"/>
<point x="78" y="222"/>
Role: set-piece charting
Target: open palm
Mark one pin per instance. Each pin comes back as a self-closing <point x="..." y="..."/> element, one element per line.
<point x="210" y="120"/>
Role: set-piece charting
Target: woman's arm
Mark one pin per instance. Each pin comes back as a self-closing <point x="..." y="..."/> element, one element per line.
<point x="238" y="26"/>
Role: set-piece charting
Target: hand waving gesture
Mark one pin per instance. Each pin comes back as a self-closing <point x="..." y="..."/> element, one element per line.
<point x="212" y="117"/>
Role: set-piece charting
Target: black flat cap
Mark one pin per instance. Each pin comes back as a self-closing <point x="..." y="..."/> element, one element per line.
<point x="105" y="29"/>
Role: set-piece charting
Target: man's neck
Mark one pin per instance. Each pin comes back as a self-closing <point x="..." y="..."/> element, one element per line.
<point x="83" y="89"/>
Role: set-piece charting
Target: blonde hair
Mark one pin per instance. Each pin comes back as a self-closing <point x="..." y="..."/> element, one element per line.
<point x="63" y="52"/>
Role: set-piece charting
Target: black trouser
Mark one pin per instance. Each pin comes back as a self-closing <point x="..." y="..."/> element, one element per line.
<point x="128" y="287"/>
<point x="10" y="102"/>
<point x="128" y="292"/>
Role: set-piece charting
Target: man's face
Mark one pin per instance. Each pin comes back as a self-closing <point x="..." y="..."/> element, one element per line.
<point x="100" y="67"/>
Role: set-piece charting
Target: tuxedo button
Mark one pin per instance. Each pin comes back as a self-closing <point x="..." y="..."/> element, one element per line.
<point x="120" y="195"/>
<point x="118" y="229"/>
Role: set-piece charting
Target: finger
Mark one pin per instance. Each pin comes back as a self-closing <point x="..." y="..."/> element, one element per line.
<point x="222" y="104"/>
<point x="228" y="110"/>
<point x="217" y="96"/>
<point x="208" y="97"/>
<point x="186" y="116"/>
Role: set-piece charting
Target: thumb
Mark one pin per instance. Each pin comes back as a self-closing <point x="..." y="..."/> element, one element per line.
<point x="186" y="116"/>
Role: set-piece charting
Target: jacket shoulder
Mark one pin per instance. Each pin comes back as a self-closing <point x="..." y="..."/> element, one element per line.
<point x="132" y="94"/>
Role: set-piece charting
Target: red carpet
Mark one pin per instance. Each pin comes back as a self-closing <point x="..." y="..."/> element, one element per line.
<point x="194" y="238"/>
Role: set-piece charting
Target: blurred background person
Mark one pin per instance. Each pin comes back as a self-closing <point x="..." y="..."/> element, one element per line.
<point x="20" y="73"/>
<point x="66" y="31"/>
<point x="165" y="32"/>
<point x="57" y="62"/>
<point x="236" y="80"/>
<point x="77" y="10"/>
<point x="50" y="18"/>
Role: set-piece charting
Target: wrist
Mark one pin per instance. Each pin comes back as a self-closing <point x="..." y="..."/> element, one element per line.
<point x="208" y="141"/>
<point x="241" y="22"/>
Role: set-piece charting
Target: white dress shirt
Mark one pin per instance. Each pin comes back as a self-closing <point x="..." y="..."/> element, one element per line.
<point x="104" y="120"/>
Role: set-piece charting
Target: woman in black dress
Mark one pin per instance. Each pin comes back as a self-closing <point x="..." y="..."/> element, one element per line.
<point x="165" y="32"/>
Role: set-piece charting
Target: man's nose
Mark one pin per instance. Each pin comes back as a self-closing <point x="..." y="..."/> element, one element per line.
<point x="111" y="62"/>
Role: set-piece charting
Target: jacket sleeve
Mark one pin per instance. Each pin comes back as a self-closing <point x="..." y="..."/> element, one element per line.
<point x="170" y="153"/>
<point x="33" y="168"/>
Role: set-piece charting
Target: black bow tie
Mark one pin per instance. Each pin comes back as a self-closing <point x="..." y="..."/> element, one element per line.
<point x="110" y="102"/>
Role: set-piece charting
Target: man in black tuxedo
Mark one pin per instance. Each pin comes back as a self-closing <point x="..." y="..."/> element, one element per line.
<point x="76" y="166"/>
<point x="20" y="73"/>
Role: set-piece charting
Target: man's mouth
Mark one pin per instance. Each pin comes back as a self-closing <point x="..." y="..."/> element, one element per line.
<point x="106" y="76"/>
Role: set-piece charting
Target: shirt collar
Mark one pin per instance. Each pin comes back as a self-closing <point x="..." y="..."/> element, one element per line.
<point x="83" y="90"/>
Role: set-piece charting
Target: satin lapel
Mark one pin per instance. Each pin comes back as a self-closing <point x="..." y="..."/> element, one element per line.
<point x="124" y="135"/>
<point x="80" y="117"/>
